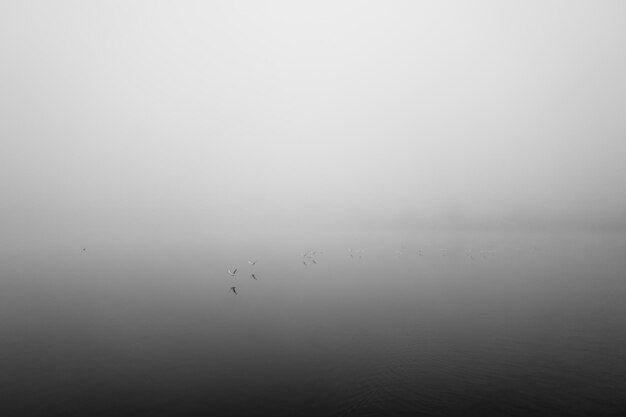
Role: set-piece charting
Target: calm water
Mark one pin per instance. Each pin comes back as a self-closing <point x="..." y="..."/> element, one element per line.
<point x="496" y="324"/>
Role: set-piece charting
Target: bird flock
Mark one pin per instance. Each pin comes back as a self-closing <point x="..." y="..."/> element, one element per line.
<point x="308" y="257"/>
<point x="233" y="273"/>
<point x="311" y="257"/>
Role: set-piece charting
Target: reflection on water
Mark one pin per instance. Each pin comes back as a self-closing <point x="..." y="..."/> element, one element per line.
<point x="497" y="324"/>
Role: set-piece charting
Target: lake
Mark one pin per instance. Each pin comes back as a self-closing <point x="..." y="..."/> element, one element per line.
<point x="385" y="323"/>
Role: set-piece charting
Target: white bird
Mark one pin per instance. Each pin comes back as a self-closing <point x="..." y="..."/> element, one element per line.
<point x="252" y="262"/>
<point x="233" y="272"/>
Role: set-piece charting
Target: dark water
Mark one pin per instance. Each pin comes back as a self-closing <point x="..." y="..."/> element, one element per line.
<point x="498" y="324"/>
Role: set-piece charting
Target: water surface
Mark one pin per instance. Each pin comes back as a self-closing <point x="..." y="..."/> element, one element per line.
<point x="431" y="323"/>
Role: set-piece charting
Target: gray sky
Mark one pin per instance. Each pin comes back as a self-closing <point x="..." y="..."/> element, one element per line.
<point x="219" y="111"/>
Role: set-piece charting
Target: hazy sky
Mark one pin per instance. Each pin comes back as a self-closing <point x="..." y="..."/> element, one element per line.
<point x="225" y="110"/>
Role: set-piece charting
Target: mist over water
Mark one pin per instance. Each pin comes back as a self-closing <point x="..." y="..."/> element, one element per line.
<point x="435" y="323"/>
<point x="457" y="169"/>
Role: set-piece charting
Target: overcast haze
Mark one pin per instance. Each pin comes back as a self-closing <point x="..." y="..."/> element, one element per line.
<point x="218" y="112"/>
<point x="312" y="208"/>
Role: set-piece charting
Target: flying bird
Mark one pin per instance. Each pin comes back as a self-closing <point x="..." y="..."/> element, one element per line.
<point x="253" y="276"/>
<point x="233" y="272"/>
<point x="314" y="261"/>
<point x="252" y="262"/>
<point x="234" y="289"/>
<point x="304" y="262"/>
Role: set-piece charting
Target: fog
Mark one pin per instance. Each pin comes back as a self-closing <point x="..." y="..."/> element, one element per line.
<point x="272" y="113"/>
<point x="434" y="192"/>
